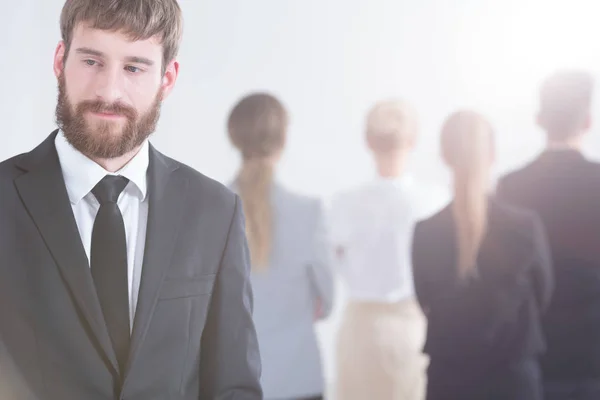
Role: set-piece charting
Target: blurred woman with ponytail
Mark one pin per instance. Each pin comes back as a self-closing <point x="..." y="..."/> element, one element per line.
<point x="483" y="278"/>
<point x="289" y="254"/>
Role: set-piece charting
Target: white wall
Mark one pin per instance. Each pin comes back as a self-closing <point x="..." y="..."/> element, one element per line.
<point x="328" y="60"/>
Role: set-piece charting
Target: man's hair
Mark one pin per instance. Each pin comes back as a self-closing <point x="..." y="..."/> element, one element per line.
<point x="565" y="102"/>
<point x="391" y="125"/>
<point x="139" y="19"/>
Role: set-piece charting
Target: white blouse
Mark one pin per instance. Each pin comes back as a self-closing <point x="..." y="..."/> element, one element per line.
<point x="371" y="229"/>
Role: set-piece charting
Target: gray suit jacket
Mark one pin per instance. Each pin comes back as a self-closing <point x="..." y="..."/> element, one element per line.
<point x="193" y="336"/>
<point x="297" y="281"/>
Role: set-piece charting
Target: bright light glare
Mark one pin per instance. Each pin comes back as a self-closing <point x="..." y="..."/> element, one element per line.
<point x="508" y="49"/>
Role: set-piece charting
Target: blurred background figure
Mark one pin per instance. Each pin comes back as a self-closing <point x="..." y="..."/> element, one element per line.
<point x="563" y="187"/>
<point x="382" y="330"/>
<point x="289" y="251"/>
<point x="483" y="278"/>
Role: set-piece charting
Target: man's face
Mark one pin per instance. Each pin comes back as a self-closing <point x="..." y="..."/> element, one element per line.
<point x="110" y="91"/>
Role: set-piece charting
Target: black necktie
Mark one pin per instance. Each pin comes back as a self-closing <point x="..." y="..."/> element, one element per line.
<point x="109" y="264"/>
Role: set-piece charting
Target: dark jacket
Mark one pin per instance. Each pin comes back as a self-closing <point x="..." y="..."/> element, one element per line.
<point x="563" y="188"/>
<point x="480" y="326"/>
<point x="193" y="336"/>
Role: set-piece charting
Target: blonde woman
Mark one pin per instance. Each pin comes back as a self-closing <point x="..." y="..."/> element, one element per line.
<point x="483" y="278"/>
<point x="289" y="253"/>
<point x="382" y="330"/>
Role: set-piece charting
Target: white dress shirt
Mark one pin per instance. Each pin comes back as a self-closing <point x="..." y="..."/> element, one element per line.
<point x="81" y="175"/>
<point x="372" y="227"/>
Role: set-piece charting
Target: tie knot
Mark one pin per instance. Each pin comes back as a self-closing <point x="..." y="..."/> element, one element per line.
<point x="109" y="188"/>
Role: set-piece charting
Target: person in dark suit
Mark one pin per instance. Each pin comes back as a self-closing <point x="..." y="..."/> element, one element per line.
<point x="124" y="274"/>
<point x="482" y="273"/>
<point x="563" y="188"/>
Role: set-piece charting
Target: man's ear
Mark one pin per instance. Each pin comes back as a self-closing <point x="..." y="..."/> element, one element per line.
<point x="587" y="123"/>
<point x="540" y="120"/>
<point x="59" y="59"/>
<point x="169" y="78"/>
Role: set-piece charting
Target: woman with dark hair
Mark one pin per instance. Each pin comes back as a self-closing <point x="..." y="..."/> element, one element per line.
<point x="483" y="278"/>
<point x="289" y="254"/>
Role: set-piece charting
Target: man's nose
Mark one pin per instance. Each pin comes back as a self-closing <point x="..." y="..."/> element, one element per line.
<point x="109" y="85"/>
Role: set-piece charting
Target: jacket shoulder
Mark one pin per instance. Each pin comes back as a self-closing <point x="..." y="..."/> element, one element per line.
<point x="9" y="168"/>
<point x="207" y="190"/>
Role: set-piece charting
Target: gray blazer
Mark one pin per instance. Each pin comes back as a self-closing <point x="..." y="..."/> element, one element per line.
<point x="297" y="281"/>
<point x="193" y="336"/>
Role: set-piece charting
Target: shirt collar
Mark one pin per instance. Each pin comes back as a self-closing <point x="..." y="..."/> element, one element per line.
<point x="81" y="174"/>
<point x="399" y="181"/>
<point x="562" y="153"/>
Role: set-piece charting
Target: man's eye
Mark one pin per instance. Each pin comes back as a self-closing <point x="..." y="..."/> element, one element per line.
<point x="132" y="69"/>
<point x="90" y="62"/>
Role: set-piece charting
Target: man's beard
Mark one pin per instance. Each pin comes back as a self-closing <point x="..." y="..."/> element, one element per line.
<point x="102" y="139"/>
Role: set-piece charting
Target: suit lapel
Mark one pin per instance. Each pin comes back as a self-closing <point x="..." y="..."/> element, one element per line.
<point x="43" y="192"/>
<point x="167" y="193"/>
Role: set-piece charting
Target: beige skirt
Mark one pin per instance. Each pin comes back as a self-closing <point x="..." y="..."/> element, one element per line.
<point x="379" y="352"/>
